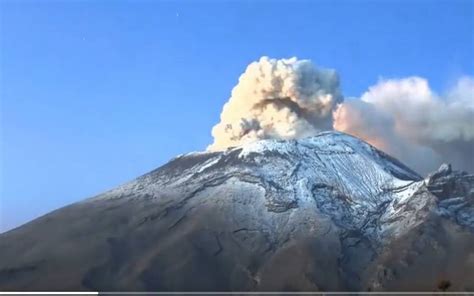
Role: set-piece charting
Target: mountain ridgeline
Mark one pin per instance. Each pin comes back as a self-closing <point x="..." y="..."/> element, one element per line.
<point x="325" y="213"/>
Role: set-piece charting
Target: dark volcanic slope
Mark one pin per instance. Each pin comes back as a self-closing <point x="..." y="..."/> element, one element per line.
<point x="323" y="213"/>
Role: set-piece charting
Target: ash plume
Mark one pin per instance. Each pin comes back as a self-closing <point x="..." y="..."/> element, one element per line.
<point x="284" y="99"/>
<point x="291" y="98"/>
<point x="405" y="118"/>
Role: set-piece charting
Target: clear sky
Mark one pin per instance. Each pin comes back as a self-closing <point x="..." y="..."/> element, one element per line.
<point x="95" y="93"/>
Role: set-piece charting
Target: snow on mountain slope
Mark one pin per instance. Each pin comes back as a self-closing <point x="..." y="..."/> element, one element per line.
<point x="339" y="174"/>
<point x="329" y="212"/>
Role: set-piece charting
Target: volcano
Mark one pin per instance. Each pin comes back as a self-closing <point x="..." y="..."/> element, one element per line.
<point x="324" y="213"/>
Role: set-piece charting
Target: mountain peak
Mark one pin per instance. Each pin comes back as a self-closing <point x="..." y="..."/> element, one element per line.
<point x="256" y="217"/>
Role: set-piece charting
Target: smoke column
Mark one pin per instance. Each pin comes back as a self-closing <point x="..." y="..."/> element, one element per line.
<point x="283" y="99"/>
<point x="291" y="98"/>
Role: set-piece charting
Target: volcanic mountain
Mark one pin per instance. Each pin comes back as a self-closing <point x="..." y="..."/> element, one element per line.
<point x="324" y="213"/>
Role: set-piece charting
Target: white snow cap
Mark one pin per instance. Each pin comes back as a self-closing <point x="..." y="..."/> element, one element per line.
<point x="278" y="99"/>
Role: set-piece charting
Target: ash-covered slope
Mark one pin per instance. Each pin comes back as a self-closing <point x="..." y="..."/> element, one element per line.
<point x="328" y="212"/>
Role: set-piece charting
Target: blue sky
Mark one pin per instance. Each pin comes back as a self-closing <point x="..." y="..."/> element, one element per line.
<point x="95" y="93"/>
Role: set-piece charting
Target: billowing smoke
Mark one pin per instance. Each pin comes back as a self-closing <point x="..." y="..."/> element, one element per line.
<point x="282" y="99"/>
<point x="406" y="119"/>
<point x="290" y="98"/>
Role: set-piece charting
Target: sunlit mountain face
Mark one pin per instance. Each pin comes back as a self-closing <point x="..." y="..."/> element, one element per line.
<point x="323" y="213"/>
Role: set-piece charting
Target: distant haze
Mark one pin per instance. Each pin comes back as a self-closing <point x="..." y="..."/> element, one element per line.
<point x="291" y="98"/>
